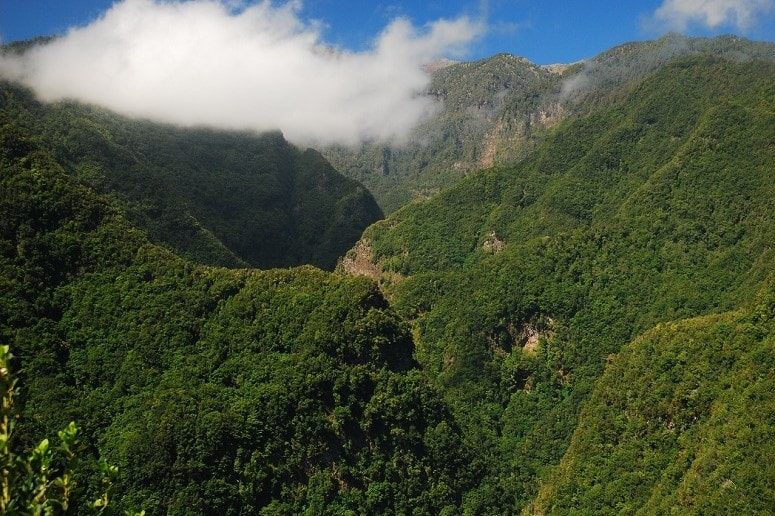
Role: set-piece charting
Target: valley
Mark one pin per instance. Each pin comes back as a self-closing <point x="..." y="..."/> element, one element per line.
<point x="557" y="296"/>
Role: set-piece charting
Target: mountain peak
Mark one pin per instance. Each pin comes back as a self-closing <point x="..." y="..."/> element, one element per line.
<point x="439" y="64"/>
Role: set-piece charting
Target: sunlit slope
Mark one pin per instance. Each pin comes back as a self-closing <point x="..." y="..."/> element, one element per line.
<point x="683" y="420"/>
<point x="655" y="208"/>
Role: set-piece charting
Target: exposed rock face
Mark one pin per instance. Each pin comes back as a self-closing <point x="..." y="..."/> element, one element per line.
<point x="360" y="261"/>
<point x="438" y="65"/>
<point x="533" y="331"/>
<point x="524" y="336"/>
<point x="509" y="138"/>
<point x="559" y="68"/>
<point x="492" y="244"/>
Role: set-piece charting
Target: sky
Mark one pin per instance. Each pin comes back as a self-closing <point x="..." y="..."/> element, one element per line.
<point x="321" y="71"/>
<point x="544" y="31"/>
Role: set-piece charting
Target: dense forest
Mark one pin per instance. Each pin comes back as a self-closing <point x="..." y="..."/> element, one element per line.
<point x="681" y="421"/>
<point x="214" y="197"/>
<point x="589" y="328"/>
<point x="213" y="390"/>
<point x="521" y="282"/>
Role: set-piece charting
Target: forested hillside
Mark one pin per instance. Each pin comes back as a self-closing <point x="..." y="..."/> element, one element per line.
<point x="681" y="421"/>
<point x="214" y="390"/>
<point x="588" y="326"/>
<point x="495" y="110"/>
<point x="214" y="197"/>
<point x="522" y="280"/>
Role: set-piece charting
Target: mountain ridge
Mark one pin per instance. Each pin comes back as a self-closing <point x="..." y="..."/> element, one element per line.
<point x="632" y="215"/>
<point x="500" y="108"/>
<point x="224" y="198"/>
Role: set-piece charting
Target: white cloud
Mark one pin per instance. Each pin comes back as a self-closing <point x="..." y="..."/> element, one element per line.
<point x="262" y="67"/>
<point x="680" y="14"/>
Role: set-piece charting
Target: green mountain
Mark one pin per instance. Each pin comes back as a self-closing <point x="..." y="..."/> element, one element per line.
<point x="522" y="281"/>
<point x="490" y="109"/>
<point x="495" y="110"/>
<point x="214" y="390"/>
<point x="681" y="421"/>
<point x="587" y="329"/>
<point x="219" y="198"/>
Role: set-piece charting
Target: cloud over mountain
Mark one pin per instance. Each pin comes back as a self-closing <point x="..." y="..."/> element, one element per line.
<point x="261" y="67"/>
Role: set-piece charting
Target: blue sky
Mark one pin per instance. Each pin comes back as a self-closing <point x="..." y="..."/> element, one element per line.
<point x="545" y="31"/>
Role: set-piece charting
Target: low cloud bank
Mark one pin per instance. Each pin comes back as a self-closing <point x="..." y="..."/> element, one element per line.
<point x="262" y="67"/>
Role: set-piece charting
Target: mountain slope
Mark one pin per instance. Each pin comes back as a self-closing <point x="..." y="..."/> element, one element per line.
<point x="214" y="197"/>
<point x="495" y="110"/>
<point x="522" y="280"/>
<point x="214" y="390"/>
<point x="588" y="329"/>
<point x="490" y="110"/>
<point x="682" y="420"/>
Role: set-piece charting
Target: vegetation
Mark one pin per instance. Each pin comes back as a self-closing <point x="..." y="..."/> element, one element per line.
<point x="496" y="110"/>
<point x="630" y="62"/>
<point x="218" y="198"/>
<point x="589" y="329"/>
<point x="213" y="390"/>
<point x="41" y="482"/>
<point x="634" y="215"/>
<point x="682" y="420"/>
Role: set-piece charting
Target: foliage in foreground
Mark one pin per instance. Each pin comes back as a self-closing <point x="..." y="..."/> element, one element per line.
<point x="43" y="480"/>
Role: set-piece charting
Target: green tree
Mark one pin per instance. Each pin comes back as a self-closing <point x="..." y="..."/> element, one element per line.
<point x="40" y="482"/>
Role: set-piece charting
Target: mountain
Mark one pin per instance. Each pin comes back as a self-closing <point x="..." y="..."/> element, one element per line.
<point x="220" y="198"/>
<point x="214" y="390"/>
<point x="681" y="421"/>
<point x="586" y="326"/>
<point x="481" y="102"/>
<point x="495" y="110"/>
<point x="523" y="281"/>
